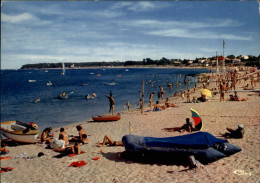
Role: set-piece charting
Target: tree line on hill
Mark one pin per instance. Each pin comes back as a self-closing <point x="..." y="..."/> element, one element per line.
<point x="251" y="61"/>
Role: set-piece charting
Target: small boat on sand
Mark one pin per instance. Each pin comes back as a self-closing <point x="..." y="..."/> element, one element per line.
<point x="104" y="118"/>
<point x="14" y="131"/>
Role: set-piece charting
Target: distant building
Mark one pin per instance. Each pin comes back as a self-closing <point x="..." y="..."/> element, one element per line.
<point x="236" y="61"/>
<point x="72" y="66"/>
<point x="245" y="57"/>
<point x="190" y="62"/>
<point x="201" y="61"/>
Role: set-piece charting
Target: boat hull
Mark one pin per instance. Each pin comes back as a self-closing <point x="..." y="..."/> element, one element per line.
<point x="105" y="118"/>
<point x="14" y="131"/>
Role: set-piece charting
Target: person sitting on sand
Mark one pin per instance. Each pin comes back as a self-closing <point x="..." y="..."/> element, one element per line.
<point x="187" y="127"/>
<point x="65" y="135"/>
<point x="3" y="149"/>
<point x="69" y="150"/>
<point x="32" y="126"/>
<point x="157" y="106"/>
<point x="109" y="141"/>
<point x="82" y="138"/>
<point x="237" y="134"/>
<point x="168" y="104"/>
<point x="46" y="135"/>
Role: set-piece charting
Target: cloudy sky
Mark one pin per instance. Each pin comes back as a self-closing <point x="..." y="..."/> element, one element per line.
<point x="82" y="31"/>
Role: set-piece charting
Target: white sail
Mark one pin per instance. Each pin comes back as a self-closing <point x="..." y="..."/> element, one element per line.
<point x="63" y="69"/>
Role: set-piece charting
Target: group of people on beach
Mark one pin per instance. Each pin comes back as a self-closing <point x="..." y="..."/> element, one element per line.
<point x="62" y="143"/>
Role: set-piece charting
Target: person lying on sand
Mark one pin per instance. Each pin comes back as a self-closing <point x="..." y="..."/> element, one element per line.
<point x="248" y="88"/>
<point x="82" y="138"/>
<point x="69" y="150"/>
<point x="236" y="98"/>
<point x="168" y="104"/>
<point x="186" y="127"/>
<point x="237" y="134"/>
<point x="108" y="141"/>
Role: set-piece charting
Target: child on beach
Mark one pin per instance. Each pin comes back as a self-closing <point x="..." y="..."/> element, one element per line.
<point x="109" y="141"/>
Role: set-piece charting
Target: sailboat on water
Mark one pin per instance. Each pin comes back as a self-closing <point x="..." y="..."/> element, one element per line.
<point x="63" y="69"/>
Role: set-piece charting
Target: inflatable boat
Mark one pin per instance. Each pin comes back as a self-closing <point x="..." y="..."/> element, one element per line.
<point x="205" y="147"/>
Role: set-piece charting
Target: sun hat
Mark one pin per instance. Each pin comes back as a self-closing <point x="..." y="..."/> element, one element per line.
<point x="241" y="126"/>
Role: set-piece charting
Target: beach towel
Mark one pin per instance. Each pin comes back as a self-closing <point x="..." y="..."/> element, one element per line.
<point x="71" y="155"/>
<point x="96" y="158"/>
<point x="5" y="169"/>
<point x="7" y="157"/>
<point x="78" y="164"/>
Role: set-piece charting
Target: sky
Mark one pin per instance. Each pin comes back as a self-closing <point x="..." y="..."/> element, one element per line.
<point x="86" y="31"/>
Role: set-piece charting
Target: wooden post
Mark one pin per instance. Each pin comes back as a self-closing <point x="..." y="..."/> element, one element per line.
<point x="142" y="110"/>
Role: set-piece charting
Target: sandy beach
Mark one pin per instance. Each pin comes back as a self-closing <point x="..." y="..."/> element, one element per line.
<point x="112" y="167"/>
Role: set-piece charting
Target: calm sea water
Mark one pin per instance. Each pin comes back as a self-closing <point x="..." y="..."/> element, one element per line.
<point x="17" y="93"/>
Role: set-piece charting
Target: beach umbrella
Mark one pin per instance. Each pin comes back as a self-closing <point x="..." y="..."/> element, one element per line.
<point x="206" y="92"/>
<point x="197" y="120"/>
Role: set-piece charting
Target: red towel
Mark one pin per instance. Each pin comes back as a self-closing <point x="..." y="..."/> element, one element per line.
<point x="96" y="158"/>
<point x="7" y="157"/>
<point x="71" y="155"/>
<point x="78" y="164"/>
<point x="5" y="169"/>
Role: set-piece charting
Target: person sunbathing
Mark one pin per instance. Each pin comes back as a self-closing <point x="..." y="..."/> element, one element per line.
<point x="168" y="104"/>
<point x="237" y="134"/>
<point x="186" y="127"/>
<point x="247" y="87"/>
<point x="109" y="141"/>
<point x="236" y="98"/>
<point x="69" y="150"/>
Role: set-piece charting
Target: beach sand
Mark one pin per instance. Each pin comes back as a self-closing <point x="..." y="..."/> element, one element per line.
<point x="216" y="116"/>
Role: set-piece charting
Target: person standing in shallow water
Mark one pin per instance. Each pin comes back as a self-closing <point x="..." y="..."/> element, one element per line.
<point x="111" y="102"/>
<point x="162" y="92"/>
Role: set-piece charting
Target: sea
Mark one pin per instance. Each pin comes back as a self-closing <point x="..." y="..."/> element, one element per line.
<point x="20" y="88"/>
